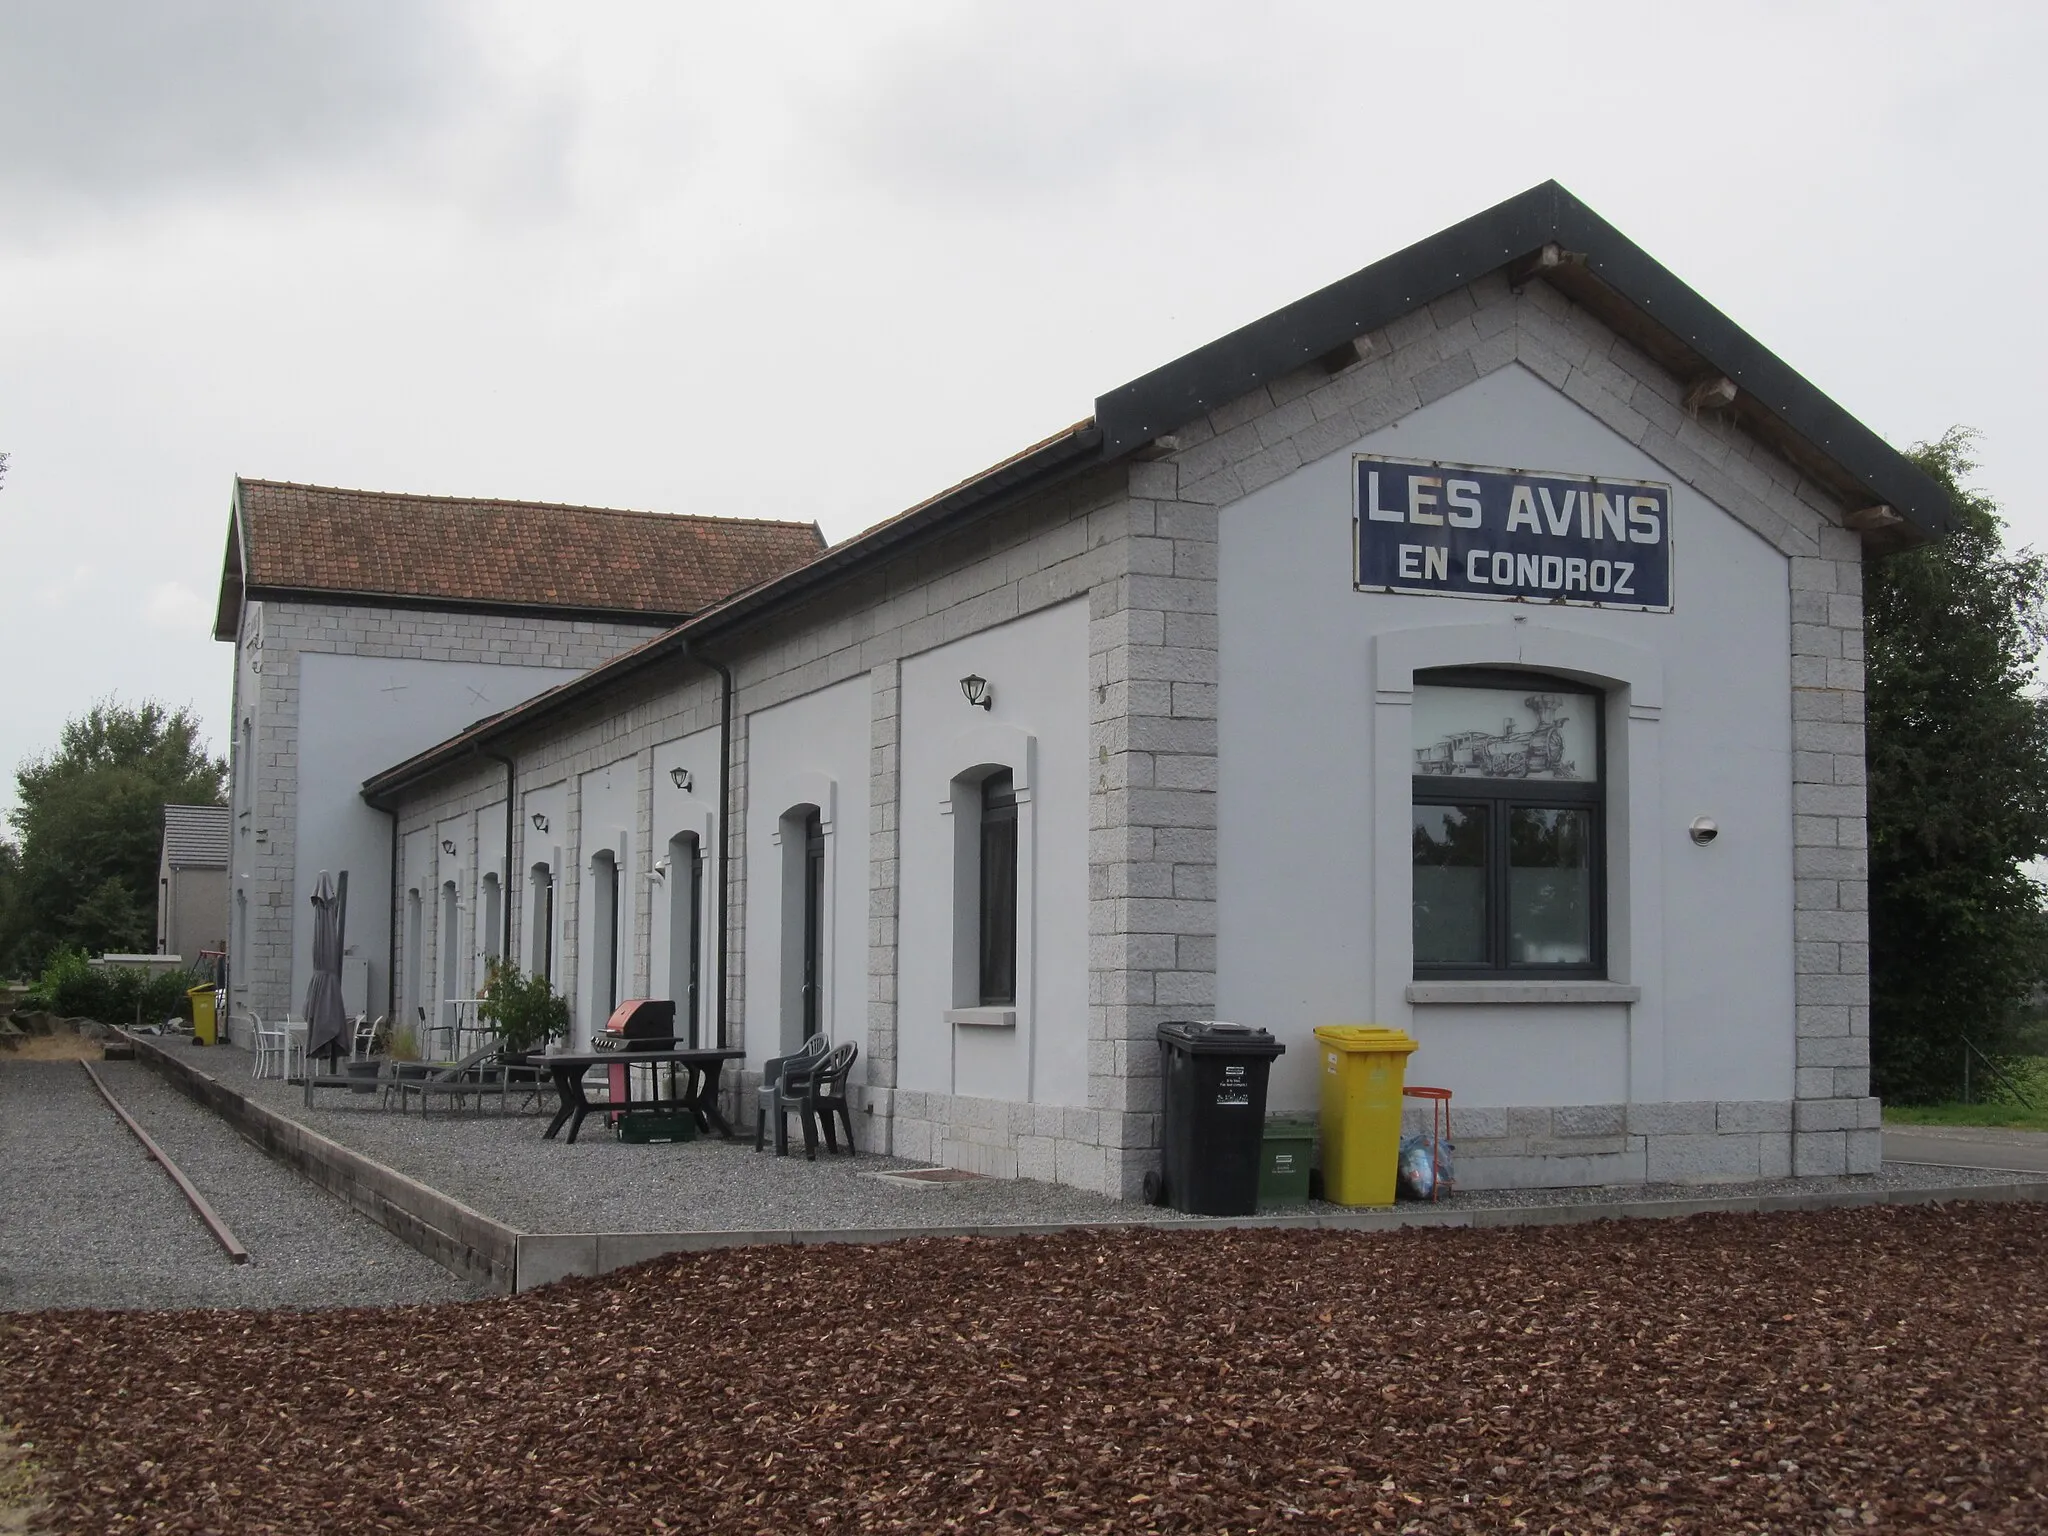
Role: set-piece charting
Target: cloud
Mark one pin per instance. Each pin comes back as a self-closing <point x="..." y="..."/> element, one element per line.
<point x="108" y="106"/>
<point x="65" y="587"/>
<point x="173" y="605"/>
<point x="1035" y="104"/>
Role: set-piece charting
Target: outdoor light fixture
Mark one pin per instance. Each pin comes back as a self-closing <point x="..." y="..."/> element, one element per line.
<point x="540" y="822"/>
<point x="660" y="870"/>
<point x="979" y="694"/>
<point x="1703" y="831"/>
<point x="683" y="780"/>
<point x="448" y="845"/>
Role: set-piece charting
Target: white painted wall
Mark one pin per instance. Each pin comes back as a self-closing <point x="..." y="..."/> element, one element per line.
<point x="811" y="750"/>
<point x="694" y="811"/>
<point x="357" y="716"/>
<point x="1037" y="668"/>
<point x="608" y="798"/>
<point x="1312" y="876"/>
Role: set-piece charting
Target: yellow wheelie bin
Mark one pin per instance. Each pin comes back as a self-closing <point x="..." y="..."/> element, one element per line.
<point x="1362" y="1070"/>
<point x="203" y="1021"/>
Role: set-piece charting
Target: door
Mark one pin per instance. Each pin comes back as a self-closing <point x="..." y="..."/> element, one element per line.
<point x="814" y="924"/>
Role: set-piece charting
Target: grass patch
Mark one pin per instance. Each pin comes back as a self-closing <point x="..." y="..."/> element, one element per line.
<point x="2001" y="1108"/>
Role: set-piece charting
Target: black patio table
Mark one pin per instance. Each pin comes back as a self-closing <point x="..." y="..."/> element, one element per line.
<point x="699" y="1098"/>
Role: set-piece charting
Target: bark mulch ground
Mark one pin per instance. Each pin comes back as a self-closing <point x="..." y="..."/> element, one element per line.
<point x="1876" y="1369"/>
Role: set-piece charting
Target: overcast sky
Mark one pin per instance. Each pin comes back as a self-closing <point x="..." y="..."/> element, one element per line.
<point x="819" y="261"/>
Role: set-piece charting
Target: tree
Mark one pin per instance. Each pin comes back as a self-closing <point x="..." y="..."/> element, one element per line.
<point x="1958" y="769"/>
<point x="90" y="824"/>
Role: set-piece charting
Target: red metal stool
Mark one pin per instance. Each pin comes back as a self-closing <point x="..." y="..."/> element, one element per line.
<point x="1439" y="1132"/>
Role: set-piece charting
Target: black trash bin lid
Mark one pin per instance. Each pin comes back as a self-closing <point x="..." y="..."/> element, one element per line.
<point x="1203" y="1037"/>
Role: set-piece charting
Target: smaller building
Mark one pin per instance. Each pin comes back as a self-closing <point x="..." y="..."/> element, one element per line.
<point x="192" y="881"/>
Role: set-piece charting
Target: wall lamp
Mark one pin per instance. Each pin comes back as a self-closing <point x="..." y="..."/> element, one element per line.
<point x="540" y="822"/>
<point x="1703" y="831"/>
<point x="683" y="780"/>
<point x="979" y="694"/>
<point x="660" y="870"/>
<point x="448" y="846"/>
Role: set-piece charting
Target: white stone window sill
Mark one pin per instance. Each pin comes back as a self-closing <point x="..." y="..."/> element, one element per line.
<point x="1523" y="992"/>
<point x="983" y="1018"/>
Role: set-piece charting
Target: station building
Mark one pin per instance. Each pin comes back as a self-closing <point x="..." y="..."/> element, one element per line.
<point x="1473" y="646"/>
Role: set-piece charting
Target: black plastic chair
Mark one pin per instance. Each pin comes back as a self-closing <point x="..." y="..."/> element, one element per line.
<point x="817" y="1095"/>
<point x="773" y="1074"/>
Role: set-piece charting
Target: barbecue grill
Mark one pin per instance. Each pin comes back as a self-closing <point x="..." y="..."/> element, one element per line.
<point x="639" y="1024"/>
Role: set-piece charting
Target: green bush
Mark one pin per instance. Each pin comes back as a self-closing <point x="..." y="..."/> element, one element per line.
<point x="525" y="1008"/>
<point x="75" y="988"/>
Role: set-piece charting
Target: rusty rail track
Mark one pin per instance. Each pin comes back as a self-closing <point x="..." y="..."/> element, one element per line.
<point x="197" y="1201"/>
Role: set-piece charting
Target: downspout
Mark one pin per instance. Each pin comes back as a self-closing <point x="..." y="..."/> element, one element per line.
<point x="391" y="934"/>
<point x="724" y="816"/>
<point x="511" y="822"/>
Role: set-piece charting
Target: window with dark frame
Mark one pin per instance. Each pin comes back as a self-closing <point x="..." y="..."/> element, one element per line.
<point x="1508" y="832"/>
<point x="998" y="925"/>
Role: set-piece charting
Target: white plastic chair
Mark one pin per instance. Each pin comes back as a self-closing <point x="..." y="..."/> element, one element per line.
<point x="268" y="1041"/>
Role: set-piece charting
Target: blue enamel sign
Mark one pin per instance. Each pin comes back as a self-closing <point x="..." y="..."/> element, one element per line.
<point x="1461" y="530"/>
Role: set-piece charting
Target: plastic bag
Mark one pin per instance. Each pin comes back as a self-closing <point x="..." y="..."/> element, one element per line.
<point x="1423" y="1173"/>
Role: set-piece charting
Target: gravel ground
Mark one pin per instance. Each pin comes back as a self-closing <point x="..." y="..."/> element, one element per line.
<point x="88" y="1220"/>
<point x="500" y="1166"/>
<point x="1876" y="1369"/>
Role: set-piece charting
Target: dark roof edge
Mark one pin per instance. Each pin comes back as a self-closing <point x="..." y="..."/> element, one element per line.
<point x="355" y="597"/>
<point x="1036" y="469"/>
<point x="227" y="612"/>
<point x="1167" y="398"/>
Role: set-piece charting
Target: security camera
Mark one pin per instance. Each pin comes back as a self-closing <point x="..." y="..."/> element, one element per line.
<point x="1703" y="830"/>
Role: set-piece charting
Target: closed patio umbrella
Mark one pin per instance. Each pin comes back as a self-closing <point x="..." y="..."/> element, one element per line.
<point x="326" y="1020"/>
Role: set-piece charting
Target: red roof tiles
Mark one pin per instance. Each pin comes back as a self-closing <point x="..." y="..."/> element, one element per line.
<point x="514" y="553"/>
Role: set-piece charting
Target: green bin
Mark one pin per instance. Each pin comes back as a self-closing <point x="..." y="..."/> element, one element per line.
<point x="1285" y="1157"/>
<point x="644" y="1128"/>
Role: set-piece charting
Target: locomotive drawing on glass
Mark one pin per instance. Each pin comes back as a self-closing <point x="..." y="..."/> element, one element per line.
<point x="1514" y="751"/>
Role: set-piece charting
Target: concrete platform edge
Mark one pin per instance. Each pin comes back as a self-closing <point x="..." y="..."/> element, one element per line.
<point x="545" y="1257"/>
<point x="461" y="1240"/>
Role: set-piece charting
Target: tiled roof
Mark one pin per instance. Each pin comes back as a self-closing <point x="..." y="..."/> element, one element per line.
<point x="309" y="538"/>
<point x="196" y="836"/>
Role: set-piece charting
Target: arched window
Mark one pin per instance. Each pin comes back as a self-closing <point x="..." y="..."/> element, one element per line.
<point x="604" y="936"/>
<point x="685" y="944"/>
<point x="490" y="917"/>
<point x="1508" y="834"/>
<point x="806" y="926"/>
<point x="415" y="961"/>
<point x="451" y="953"/>
<point x="997" y="890"/>
<point x="540" y="906"/>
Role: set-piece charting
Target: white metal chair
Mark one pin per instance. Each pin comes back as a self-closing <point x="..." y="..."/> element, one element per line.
<point x="365" y="1037"/>
<point x="268" y="1042"/>
<point x="295" y="1032"/>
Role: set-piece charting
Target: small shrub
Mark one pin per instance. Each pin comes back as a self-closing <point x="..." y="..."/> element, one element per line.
<point x="526" y="1010"/>
<point x="75" y="988"/>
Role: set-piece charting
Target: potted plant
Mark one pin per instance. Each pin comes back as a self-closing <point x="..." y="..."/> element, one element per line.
<point x="403" y="1046"/>
<point x="525" y="1008"/>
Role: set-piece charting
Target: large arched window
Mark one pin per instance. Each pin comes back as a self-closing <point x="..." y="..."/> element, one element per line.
<point x="1508" y="833"/>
